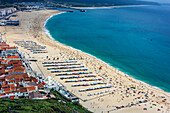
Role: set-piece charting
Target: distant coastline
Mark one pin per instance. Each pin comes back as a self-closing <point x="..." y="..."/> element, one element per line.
<point x="38" y="19"/>
<point x="108" y="7"/>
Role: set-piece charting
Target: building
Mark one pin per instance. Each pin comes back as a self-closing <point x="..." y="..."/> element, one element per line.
<point x="7" y="11"/>
<point x="2" y="12"/>
<point x="14" y="80"/>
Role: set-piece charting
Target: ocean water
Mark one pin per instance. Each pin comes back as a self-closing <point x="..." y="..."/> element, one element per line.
<point x="135" y="40"/>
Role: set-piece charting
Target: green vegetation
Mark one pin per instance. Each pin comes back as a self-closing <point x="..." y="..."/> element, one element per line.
<point x="9" y="3"/>
<point x="89" y="3"/>
<point x="13" y="1"/>
<point x="81" y="3"/>
<point x="54" y="105"/>
<point x="76" y="106"/>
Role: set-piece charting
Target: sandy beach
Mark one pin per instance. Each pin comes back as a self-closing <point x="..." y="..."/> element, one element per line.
<point x="130" y="92"/>
<point x="108" y="7"/>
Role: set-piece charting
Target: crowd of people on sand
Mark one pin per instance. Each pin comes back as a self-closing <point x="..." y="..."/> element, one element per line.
<point x="66" y="65"/>
<point x="80" y="76"/>
<point x="137" y="94"/>
<point x="89" y="84"/>
<point x="124" y="89"/>
<point x="145" y="102"/>
<point x="141" y="94"/>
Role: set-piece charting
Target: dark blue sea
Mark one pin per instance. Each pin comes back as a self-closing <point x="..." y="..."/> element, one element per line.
<point x="135" y="40"/>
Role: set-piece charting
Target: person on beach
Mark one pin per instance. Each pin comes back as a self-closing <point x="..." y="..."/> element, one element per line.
<point x="100" y="67"/>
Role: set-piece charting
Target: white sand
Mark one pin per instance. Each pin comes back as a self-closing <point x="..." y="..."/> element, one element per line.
<point x="32" y="24"/>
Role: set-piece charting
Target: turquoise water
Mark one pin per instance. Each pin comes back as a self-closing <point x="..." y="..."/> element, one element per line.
<point x="134" y="39"/>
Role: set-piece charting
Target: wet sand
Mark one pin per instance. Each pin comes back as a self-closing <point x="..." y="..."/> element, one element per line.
<point x="129" y="90"/>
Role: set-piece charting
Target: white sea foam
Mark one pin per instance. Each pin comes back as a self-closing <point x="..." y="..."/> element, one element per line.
<point x="117" y="69"/>
<point x="111" y="7"/>
<point x="46" y="30"/>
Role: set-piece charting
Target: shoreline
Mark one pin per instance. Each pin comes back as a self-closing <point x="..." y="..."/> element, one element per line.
<point x="109" y="7"/>
<point x="35" y="21"/>
<point x="47" y="32"/>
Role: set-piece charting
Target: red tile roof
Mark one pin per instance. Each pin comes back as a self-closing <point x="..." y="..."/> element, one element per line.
<point x="13" y="56"/>
<point x="10" y="71"/>
<point x="19" y="68"/>
<point x="13" y="88"/>
<point x="11" y="85"/>
<point x="15" y="91"/>
<point x="3" y="86"/>
<point x="14" y="62"/>
<point x="23" y="89"/>
<point x="2" y="42"/>
<point x="11" y="97"/>
<point x="40" y="85"/>
<point x="16" y="76"/>
<point x="6" y="89"/>
<point x="1" y="78"/>
<point x="4" y="61"/>
<point x="4" y="46"/>
<point x="2" y="71"/>
<point x="11" y="48"/>
<point x="11" y="81"/>
<point x="26" y="78"/>
<point x="43" y="83"/>
<point x="32" y="88"/>
<point x="5" y="82"/>
<point x="18" y="79"/>
<point x="8" y="92"/>
<point x="17" y="64"/>
<point x="2" y="94"/>
<point x="1" y="59"/>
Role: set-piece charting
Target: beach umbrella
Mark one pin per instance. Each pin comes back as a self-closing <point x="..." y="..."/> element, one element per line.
<point x="144" y="108"/>
<point x="106" y="91"/>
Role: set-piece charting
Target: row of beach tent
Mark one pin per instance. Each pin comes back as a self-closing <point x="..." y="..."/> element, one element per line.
<point x="37" y="50"/>
<point x="59" y="62"/>
<point x="78" y="73"/>
<point x="106" y="91"/>
<point x="40" y="52"/>
<point x="30" y="45"/>
<point x="81" y="80"/>
<point x="64" y="67"/>
<point x="95" y="88"/>
<point x="88" y="84"/>
<point x="70" y="70"/>
<point x="62" y="64"/>
<point x="81" y="76"/>
<point x="33" y="46"/>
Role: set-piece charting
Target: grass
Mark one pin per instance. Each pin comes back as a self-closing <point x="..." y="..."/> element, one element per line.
<point x="40" y="106"/>
<point x="75" y="106"/>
